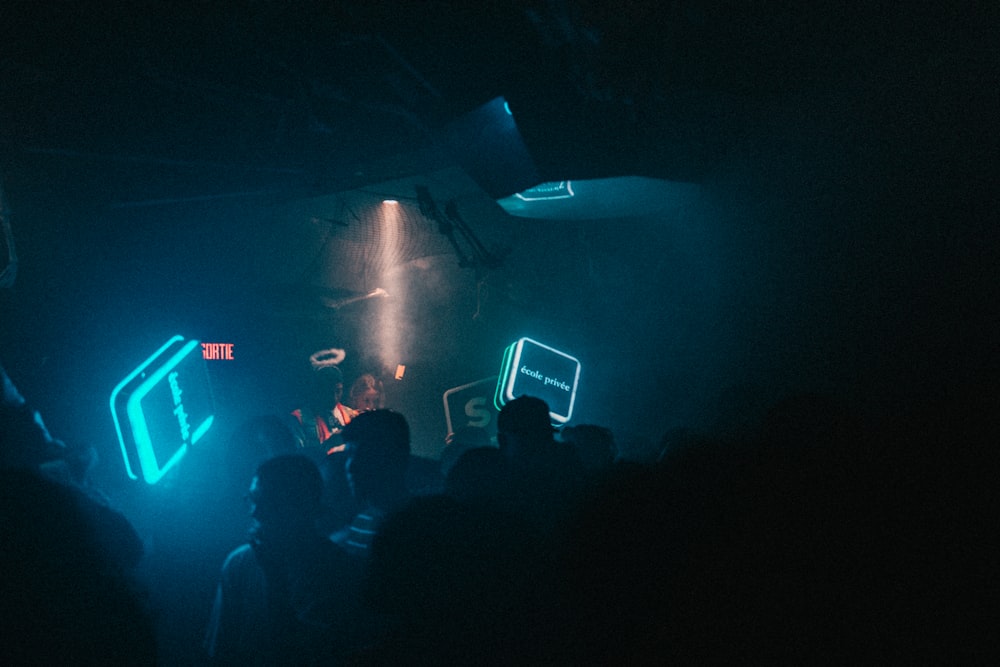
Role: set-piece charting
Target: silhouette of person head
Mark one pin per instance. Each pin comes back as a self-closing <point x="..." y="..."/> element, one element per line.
<point x="327" y="389"/>
<point x="524" y="429"/>
<point x="544" y="474"/>
<point x="378" y="454"/>
<point x="285" y="500"/>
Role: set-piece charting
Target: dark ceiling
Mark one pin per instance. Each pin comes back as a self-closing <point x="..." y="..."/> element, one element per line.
<point x="321" y="94"/>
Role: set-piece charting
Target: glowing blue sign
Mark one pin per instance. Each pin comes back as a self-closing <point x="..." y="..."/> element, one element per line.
<point x="533" y="369"/>
<point x="547" y="191"/>
<point x="161" y="408"/>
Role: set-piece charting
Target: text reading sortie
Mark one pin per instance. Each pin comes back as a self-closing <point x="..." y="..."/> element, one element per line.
<point x="217" y="350"/>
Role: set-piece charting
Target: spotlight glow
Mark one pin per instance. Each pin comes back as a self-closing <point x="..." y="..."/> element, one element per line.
<point x="388" y="330"/>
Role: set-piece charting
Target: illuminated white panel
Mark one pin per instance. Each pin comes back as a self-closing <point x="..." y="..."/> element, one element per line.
<point x="600" y="198"/>
<point x="547" y="191"/>
<point x="530" y="368"/>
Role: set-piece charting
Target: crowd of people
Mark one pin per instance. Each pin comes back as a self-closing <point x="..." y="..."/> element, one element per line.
<point x="819" y="535"/>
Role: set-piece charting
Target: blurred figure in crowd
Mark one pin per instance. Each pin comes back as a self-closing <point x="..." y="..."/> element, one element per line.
<point x="283" y="596"/>
<point x="377" y="447"/>
<point x="367" y="394"/>
<point x="546" y="476"/>
<point x="319" y="424"/>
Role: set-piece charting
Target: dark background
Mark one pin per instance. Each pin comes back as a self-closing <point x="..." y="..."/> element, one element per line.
<point x="828" y="221"/>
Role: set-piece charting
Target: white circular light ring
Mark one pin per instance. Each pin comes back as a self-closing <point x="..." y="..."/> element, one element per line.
<point x="327" y="358"/>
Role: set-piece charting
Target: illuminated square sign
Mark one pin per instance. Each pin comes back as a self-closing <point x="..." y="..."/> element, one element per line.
<point x="471" y="405"/>
<point x="533" y="369"/>
<point x="161" y="408"/>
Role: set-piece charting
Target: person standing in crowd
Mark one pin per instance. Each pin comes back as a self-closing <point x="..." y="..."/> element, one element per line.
<point x="546" y="476"/>
<point x="367" y="394"/>
<point x="68" y="587"/>
<point x="283" y="597"/>
<point x="460" y="441"/>
<point x="324" y="417"/>
<point x="377" y="448"/>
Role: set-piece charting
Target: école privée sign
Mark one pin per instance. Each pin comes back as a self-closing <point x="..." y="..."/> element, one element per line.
<point x="531" y="368"/>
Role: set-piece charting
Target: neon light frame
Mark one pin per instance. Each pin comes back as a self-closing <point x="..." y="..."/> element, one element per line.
<point x="151" y="470"/>
<point x="537" y="194"/>
<point x="511" y="360"/>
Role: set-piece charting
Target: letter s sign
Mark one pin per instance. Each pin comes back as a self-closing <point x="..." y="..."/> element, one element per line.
<point x="470" y="405"/>
<point x="477" y="411"/>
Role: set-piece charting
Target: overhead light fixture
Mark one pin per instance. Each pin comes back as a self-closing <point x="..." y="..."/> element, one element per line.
<point x="468" y="248"/>
<point x="547" y="191"/>
<point x="592" y="199"/>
